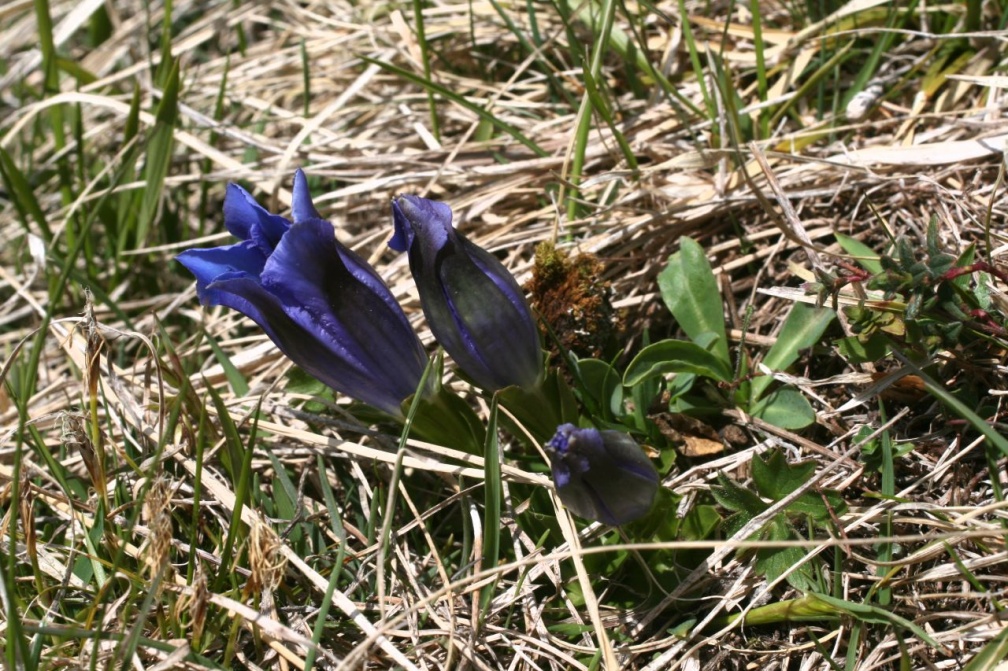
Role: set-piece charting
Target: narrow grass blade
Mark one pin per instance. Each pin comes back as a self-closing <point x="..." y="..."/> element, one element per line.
<point x="461" y="101"/>
<point x="492" y="504"/>
<point x="23" y="197"/>
<point x="990" y="656"/>
<point x="955" y="405"/>
<point x="158" y="159"/>
<point x="761" y="76"/>
<point x="599" y="105"/>
<point x="239" y="385"/>
<point x="241" y="457"/>
<point x="421" y="36"/>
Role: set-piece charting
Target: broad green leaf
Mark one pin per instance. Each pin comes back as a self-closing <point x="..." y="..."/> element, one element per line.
<point x="772" y="563"/>
<point x="539" y="409"/>
<point x="803" y="328"/>
<point x="809" y="504"/>
<point x="690" y="291"/>
<point x="864" y="255"/>
<point x="855" y="350"/>
<point x="700" y="522"/>
<point x="786" y="408"/>
<point x="675" y="356"/>
<point x="737" y="498"/>
<point x="775" y="478"/>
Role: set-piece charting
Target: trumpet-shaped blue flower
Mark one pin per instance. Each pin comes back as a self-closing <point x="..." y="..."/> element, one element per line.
<point x="320" y="303"/>
<point x="602" y="475"/>
<point x="474" y="306"/>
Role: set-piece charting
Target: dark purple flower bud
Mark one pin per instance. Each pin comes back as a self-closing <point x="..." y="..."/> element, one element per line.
<point x="602" y="475"/>
<point x="323" y="306"/>
<point x="474" y="306"/>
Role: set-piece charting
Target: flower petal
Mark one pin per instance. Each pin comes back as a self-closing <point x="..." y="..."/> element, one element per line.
<point x="430" y="219"/>
<point x="285" y="326"/>
<point x="602" y="475"/>
<point x="302" y="207"/>
<point x="238" y="260"/>
<point x="335" y="296"/>
<point x="248" y="220"/>
<point x="473" y="305"/>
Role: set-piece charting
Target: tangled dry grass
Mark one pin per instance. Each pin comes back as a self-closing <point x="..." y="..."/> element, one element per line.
<point x="198" y="576"/>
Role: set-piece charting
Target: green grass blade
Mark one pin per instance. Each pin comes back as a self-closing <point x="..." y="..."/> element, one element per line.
<point x="607" y="13"/>
<point x="421" y="36"/>
<point x="158" y="159"/>
<point x="694" y="55"/>
<point x="51" y="85"/>
<point x="241" y="472"/>
<point x="492" y="497"/>
<point x="23" y="197"/>
<point x="761" y="75"/>
<point x="239" y="385"/>
<point x="991" y="655"/>
<point x="956" y="406"/>
<point x="599" y="105"/>
<point x="461" y="101"/>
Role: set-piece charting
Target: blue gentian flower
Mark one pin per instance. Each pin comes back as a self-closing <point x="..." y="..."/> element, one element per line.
<point x="602" y="475"/>
<point x="320" y="303"/>
<point x="474" y="306"/>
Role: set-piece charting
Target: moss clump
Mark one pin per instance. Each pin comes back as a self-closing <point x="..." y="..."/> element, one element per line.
<point x="574" y="301"/>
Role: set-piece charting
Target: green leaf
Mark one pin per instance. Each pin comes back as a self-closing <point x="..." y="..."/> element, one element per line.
<point x="603" y="383"/>
<point x="803" y="609"/>
<point x="540" y="410"/>
<point x="786" y="408"/>
<point x="809" y="504"/>
<point x="690" y="291"/>
<point x="772" y="563"/>
<point x="22" y="196"/>
<point x="239" y="385"/>
<point x="676" y="356"/>
<point x="949" y="400"/>
<point x="875" y="615"/>
<point x="159" y="152"/>
<point x="700" y="523"/>
<point x="803" y="328"/>
<point x="737" y="498"/>
<point x="775" y="478"/>
<point x="856" y="350"/>
<point x="864" y="255"/>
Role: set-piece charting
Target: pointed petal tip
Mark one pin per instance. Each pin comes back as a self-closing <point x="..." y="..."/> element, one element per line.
<point x="422" y="211"/>
<point x="302" y="207"/>
<point x="402" y="235"/>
